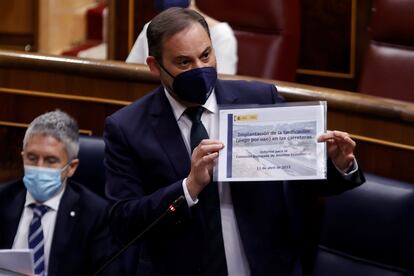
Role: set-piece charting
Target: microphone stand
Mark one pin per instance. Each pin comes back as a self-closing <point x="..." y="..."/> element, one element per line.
<point x="171" y="209"/>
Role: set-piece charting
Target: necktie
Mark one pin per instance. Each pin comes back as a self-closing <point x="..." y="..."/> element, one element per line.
<point x="198" y="131"/>
<point x="214" y="259"/>
<point x="36" y="238"/>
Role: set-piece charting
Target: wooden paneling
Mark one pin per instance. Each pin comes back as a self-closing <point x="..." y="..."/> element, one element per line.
<point x="17" y="42"/>
<point x="333" y="36"/>
<point x="62" y="24"/>
<point x="333" y="39"/>
<point x="18" y="25"/>
<point x="17" y="16"/>
<point x="47" y="26"/>
<point x="33" y="84"/>
<point x="326" y="36"/>
<point x="90" y="90"/>
<point x="386" y="161"/>
<point x="119" y="29"/>
<point x="126" y="20"/>
<point x="109" y="80"/>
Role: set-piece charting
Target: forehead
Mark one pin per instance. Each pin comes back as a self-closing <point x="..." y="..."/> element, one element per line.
<point x="193" y="40"/>
<point x="45" y="145"/>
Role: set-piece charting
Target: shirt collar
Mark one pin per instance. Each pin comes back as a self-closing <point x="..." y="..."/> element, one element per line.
<point x="178" y="109"/>
<point x="52" y="203"/>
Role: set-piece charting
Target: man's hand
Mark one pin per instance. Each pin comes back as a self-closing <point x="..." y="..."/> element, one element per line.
<point x="202" y="163"/>
<point x="340" y="148"/>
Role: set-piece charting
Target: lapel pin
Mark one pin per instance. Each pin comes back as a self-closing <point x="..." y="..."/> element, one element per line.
<point x="72" y="213"/>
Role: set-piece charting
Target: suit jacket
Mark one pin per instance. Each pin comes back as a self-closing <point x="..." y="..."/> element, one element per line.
<point x="80" y="244"/>
<point x="146" y="161"/>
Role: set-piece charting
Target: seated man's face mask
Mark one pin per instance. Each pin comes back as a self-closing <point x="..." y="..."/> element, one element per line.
<point x="42" y="183"/>
<point x="161" y="5"/>
<point x="195" y="85"/>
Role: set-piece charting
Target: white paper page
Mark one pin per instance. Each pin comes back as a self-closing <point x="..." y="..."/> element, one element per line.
<point x="272" y="142"/>
<point x="19" y="261"/>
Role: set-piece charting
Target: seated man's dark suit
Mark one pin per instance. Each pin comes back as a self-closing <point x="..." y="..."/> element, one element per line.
<point x="81" y="240"/>
<point x="146" y="161"/>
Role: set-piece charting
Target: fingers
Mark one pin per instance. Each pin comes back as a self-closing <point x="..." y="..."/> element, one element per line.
<point x="345" y="143"/>
<point x="340" y="135"/>
<point x="340" y="148"/>
<point x="342" y="139"/>
<point x="202" y="163"/>
<point x="205" y="154"/>
<point x="210" y="141"/>
<point x="208" y="148"/>
<point x="329" y="135"/>
<point x="335" y="135"/>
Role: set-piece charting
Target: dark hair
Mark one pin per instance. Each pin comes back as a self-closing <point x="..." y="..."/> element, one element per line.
<point x="167" y="24"/>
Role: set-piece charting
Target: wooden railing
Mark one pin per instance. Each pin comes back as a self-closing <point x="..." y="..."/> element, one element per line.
<point x="89" y="90"/>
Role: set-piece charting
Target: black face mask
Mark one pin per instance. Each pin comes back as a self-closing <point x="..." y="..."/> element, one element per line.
<point x="194" y="85"/>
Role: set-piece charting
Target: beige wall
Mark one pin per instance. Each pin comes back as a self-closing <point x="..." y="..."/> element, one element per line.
<point x="62" y="24"/>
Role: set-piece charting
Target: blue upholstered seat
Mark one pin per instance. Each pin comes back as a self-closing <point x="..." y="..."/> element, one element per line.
<point x="368" y="231"/>
<point x="91" y="170"/>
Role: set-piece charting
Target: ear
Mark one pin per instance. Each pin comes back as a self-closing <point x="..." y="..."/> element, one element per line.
<point x="154" y="66"/>
<point x="72" y="167"/>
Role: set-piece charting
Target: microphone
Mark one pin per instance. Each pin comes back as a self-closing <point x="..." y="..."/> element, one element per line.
<point x="171" y="209"/>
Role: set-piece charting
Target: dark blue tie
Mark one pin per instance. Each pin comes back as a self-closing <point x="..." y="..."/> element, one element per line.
<point x="198" y="131"/>
<point x="36" y="241"/>
<point x="214" y="259"/>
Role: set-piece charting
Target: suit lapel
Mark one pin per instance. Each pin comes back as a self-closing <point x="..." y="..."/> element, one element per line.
<point x="11" y="217"/>
<point x="66" y="219"/>
<point x="168" y="133"/>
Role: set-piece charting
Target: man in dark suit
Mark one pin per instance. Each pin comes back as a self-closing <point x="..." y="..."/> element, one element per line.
<point x="154" y="155"/>
<point x="63" y="222"/>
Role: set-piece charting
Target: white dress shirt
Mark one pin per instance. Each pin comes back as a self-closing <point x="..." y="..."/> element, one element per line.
<point x="48" y="223"/>
<point x="223" y="40"/>
<point x="235" y="257"/>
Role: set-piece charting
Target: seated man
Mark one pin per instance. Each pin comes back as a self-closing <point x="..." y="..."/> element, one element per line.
<point x="64" y="223"/>
<point x="163" y="147"/>
<point x="222" y="37"/>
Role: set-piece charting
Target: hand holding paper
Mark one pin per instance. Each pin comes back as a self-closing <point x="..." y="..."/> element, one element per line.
<point x="340" y="148"/>
<point x="202" y="163"/>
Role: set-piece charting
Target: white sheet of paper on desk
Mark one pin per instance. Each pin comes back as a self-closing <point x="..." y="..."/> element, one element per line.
<point x="16" y="262"/>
